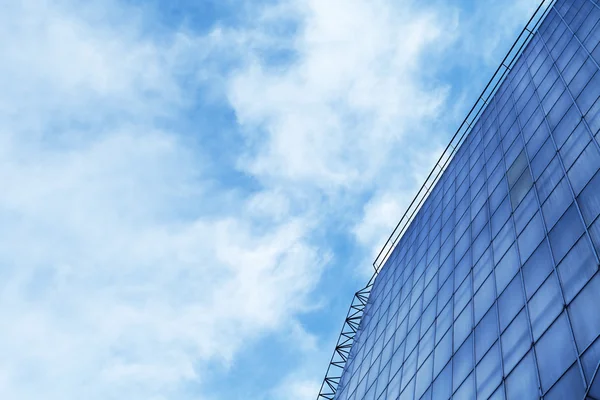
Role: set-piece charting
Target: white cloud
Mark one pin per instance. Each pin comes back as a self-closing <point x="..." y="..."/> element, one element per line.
<point x="112" y="292"/>
<point x="335" y="115"/>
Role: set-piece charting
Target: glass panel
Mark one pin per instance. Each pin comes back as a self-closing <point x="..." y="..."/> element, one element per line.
<point x="466" y="390"/>
<point x="462" y="362"/>
<point x="484" y="298"/>
<point x="589" y="360"/>
<point x="486" y="333"/>
<point x="462" y="296"/>
<point x="525" y="211"/>
<point x="549" y="179"/>
<point x="498" y="394"/>
<point x="522" y="383"/>
<point x="517" y="168"/>
<point x="409" y="391"/>
<point x="489" y="373"/>
<point x="537" y="268"/>
<point x="426" y="345"/>
<point x="565" y="233"/>
<point x="442" y="386"/>
<point x="505" y="238"/>
<point x="463" y="326"/>
<point x="531" y="237"/>
<point x="507" y="268"/>
<point x="443" y="352"/>
<point x="423" y="377"/>
<point x="570" y="386"/>
<point x="482" y="268"/>
<point x="589" y="200"/>
<point x="584" y="168"/>
<point x="544" y="306"/>
<point x="585" y="320"/>
<point x="555" y="352"/>
<point x="557" y="203"/>
<point x="520" y="189"/>
<point x="510" y="302"/>
<point x="577" y="268"/>
<point x="445" y="293"/>
<point x="444" y="321"/>
<point x="515" y="341"/>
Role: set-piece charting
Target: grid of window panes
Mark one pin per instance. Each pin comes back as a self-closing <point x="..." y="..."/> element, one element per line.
<point x="494" y="292"/>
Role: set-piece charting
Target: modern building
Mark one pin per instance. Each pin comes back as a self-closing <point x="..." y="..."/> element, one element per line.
<point x="491" y="289"/>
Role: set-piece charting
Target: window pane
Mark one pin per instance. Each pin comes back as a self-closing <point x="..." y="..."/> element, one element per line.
<point x="482" y="268"/>
<point x="565" y="233"/>
<point x="515" y="341"/>
<point x="510" y="302"/>
<point x="557" y="203"/>
<point x="444" y="320"/>
<point x="442" y="386"/>
<point x="537" y="268"/>
<point x="466" y="390"/>
<point x="555" y="352"/>
<point x="520" y="188"/>
<point x="443" y="352"/>
<point x="426" y="345"/>
<point x="507" y="268"/>
<point x="522" y="383"/>
<point x="409" y="390"/>
<point x="570" y="386"/>
<point x="584" y="315"/>
<point x="517" y="168"/>
<point x="462" y="296"/>
<point x="486" y="333"/>
<point x="498" y="394"/>
<point x="462" y="362"/>
<point x="544" y="306"/>
<point x="589" y="200"/>
<point x="463" y="326"/>
<point x="505" y="238"/>
<point x="531" y="237"/>
<point x="525" y="210"/>
<point x="484" y="298"/>
<point x="549" y="179"/>
<point x="584" y="168"/>
<point x="489" y="373"/>
<point x="574" y="145"/>
<point x="577" y="268"/>
<point x="423" y="377"/>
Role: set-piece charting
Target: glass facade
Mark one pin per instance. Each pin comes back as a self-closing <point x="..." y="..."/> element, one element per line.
<point x="493" y="292"/>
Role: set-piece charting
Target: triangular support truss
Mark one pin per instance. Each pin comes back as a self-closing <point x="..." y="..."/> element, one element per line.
<point x="341" y="353"/>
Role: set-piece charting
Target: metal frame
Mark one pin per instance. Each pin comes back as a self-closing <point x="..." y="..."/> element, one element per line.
<point x="353" y="319"/>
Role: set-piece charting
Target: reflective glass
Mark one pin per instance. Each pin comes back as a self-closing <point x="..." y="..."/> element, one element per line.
<point x="442" y="386"/>
<point x="545" y="305"/>
<point x="515" y="341"/>
<point x="511" y="301"/>
<point x="521" y="191"/>
<point x="462" y="362"/>
<point x="489" y="373"/>
<point x="537" y="268"/>
<point x="486" y="333"/>
<point x="576" y="269"/>
<point x="555" y="352"/>
<point x="521" y="383"/>
<point x="586" y="324"/>
<point x="565" y="233"/>
<point x="570" y="386"/>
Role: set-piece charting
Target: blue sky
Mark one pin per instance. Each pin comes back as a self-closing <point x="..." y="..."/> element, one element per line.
<point x="192" y="190"/>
